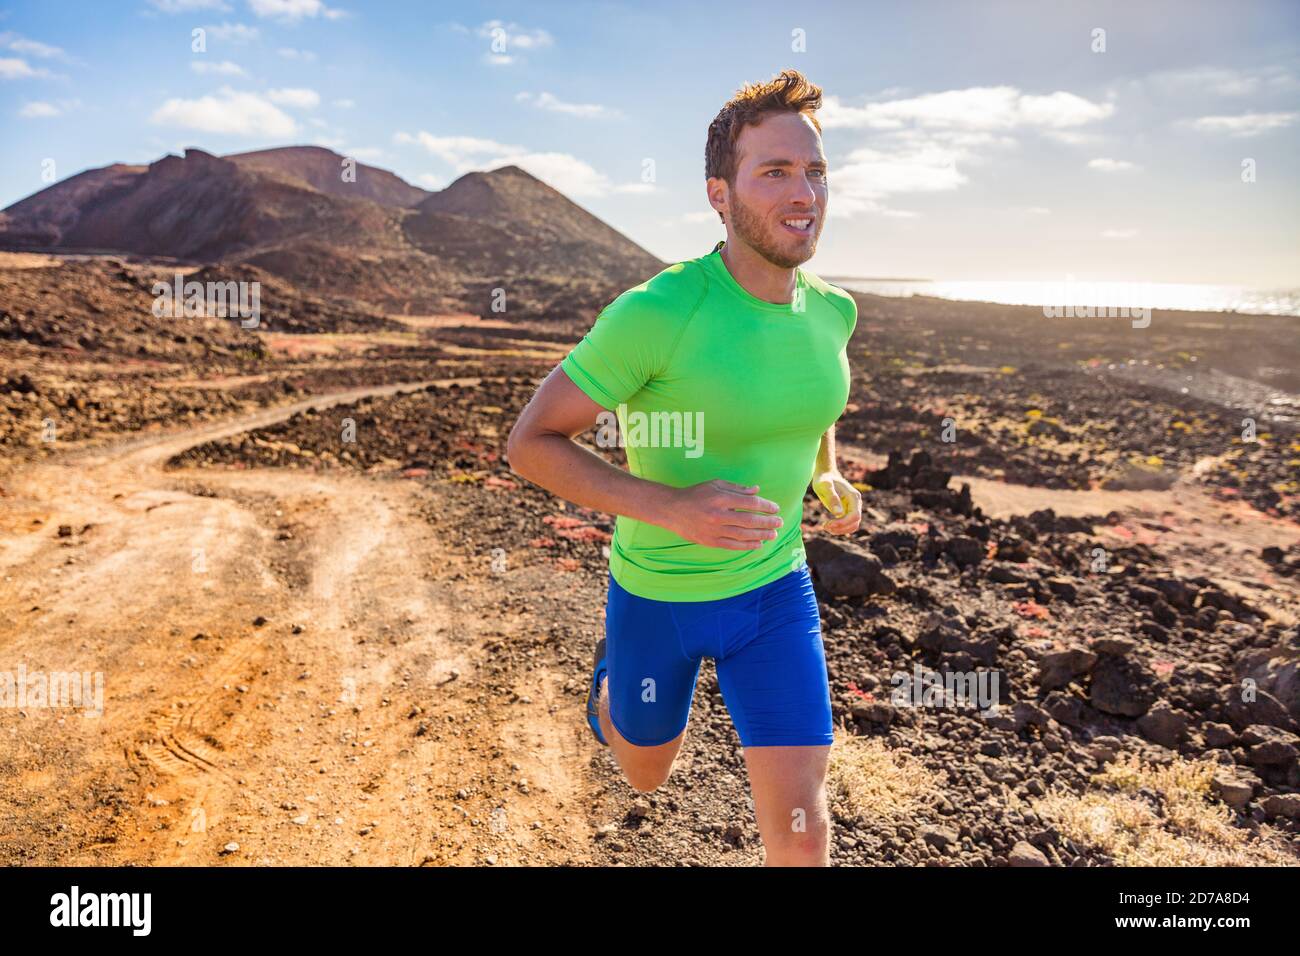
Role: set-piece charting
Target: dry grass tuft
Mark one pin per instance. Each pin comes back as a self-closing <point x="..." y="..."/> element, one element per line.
<point x="871" y="781"/>
<point x="1189" y="828"/>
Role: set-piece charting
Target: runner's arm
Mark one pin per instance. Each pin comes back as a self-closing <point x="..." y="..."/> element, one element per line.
<point x="826" y="453"/>
<point x="541" y="449"/>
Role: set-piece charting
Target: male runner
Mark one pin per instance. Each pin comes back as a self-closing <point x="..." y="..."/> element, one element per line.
<point x="707" y="557"/>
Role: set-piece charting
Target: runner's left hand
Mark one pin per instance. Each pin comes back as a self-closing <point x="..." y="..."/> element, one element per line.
<point x="841" y="499"/>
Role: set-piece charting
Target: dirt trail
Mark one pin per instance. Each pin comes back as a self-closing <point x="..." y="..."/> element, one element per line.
<point x="348" y="726"/>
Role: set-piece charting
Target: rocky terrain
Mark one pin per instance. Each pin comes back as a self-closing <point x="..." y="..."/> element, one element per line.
<point x="1056" y="403"/>
<point x="1112" y="665"/>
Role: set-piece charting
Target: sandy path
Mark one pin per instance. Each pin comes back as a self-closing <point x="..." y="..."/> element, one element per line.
<point x="345" y="727"/>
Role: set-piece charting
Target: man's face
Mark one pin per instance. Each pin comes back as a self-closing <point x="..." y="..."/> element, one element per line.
<point x="780" y="176"/>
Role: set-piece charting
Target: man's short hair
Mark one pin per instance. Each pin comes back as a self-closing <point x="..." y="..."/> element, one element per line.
<point x="787" y="92"/>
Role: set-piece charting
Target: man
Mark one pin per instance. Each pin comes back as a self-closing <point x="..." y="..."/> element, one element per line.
<point x="707" y="558"/>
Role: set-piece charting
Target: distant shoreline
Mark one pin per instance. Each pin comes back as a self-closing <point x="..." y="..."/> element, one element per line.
<point x="1162" y="296"/>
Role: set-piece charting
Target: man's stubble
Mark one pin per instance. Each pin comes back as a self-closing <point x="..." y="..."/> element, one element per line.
<point x="750" y="228"/>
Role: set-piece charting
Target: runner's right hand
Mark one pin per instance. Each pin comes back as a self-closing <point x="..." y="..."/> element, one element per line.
<point x="711" y="514"/>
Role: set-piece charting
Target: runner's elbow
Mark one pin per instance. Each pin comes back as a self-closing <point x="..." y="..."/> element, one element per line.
<point x="517" y="450"/>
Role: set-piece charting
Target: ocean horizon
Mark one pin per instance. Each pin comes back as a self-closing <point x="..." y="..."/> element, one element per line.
<point x="1183" y="296"/>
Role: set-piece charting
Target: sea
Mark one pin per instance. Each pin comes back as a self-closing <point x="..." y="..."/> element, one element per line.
<point x="1154" y="295"/>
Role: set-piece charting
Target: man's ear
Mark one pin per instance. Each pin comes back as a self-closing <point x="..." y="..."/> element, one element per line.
<point x="716" y="190"/>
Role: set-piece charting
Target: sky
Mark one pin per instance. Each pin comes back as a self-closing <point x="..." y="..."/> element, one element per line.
<point x="1138" y="142"/>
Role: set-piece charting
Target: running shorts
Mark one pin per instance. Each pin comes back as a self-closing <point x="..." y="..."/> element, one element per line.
<point x="766" y="644"/>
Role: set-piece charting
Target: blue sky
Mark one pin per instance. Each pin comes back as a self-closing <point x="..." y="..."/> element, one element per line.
<point x="982" y="140"/>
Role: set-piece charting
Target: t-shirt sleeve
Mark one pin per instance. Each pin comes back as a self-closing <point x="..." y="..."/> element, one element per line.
<point x="627" y="346"/>
<point x="846" y="305"/>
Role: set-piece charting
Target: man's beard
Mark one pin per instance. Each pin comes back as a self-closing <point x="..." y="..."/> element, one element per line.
<point x="751" y="228"/>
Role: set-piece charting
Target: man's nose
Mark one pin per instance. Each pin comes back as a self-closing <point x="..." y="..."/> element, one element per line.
<point x="803" y="192"/>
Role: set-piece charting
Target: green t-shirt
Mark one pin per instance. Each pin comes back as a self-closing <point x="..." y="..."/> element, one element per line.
<point x="709" y="381"/>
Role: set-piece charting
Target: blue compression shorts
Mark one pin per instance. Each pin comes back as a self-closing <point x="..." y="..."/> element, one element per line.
<point x="767" y="647"/>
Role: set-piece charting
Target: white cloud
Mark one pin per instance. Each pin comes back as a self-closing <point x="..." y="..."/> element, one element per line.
<point x="1224" y="81"/>
<point x="12" y="68"/>
<point x="920" y="144"/>
<point x="1106" y="165"/>
<point x="975" y="108"/>
<point x="545" y="101"/>
<point x="507" y="35"/>
<point x="299" y="98"/>
<point x="1072" y="137"/>
<point x="234" y="32"/>
<point x="344" y="104"/>
<point x="185" y="6"/>
<point x="562" y="171"/>
<point x="870" y="175"/>
<point x="1119" y="233"/>
<point x="431" y="181"/>
<point x="224" y="68"/>
<point x="292" y="10"/>
<point x="229" y="112"/>
<point x="1247" y="124"/>
<point x="498" y="59"/>
<point x="40" y="109"/>
<point x="459" y="151"/>
<point x="876" y="173"/>
<point x="20" y="44"/>
<point x="1060" y="110"/>
<point x="289" y="53"/>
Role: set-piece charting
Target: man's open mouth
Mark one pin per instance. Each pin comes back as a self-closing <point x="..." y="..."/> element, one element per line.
<point x="797" y="226"/>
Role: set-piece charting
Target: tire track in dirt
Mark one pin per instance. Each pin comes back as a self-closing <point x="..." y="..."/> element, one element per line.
<point x="291" y="664"/>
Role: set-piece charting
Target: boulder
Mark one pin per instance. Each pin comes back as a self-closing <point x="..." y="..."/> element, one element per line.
<point x="1163" y="725"/>
<point x="845" y="570"/>
<point x="1058" y="668"/>
<point x="1026" y="854"/>
<point x="1122" y="686"/>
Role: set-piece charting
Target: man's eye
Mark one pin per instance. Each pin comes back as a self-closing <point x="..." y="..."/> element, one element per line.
<point x="771" y="171"/>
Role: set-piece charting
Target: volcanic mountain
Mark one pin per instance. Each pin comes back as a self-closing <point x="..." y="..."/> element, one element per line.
<point x="369" y="238"/>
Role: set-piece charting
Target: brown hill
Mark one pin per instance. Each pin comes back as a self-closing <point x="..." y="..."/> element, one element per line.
<point x="200" y="208"/>
<point x="41" y="220"/>
<point x="322" y="170"/>
<point x="378" y="243"/>
<point x="539" y="228"/>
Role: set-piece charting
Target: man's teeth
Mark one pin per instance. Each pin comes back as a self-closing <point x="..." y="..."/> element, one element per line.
<point x="798" y="223"/>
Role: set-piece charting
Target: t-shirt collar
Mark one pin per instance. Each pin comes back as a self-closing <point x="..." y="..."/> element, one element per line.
<point x="730" y="281"/>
